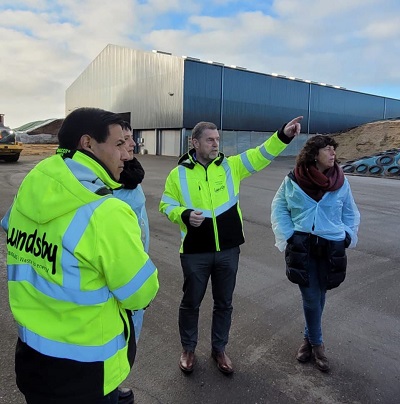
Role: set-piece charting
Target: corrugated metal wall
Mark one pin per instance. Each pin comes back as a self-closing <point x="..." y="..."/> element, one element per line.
<point x="392" y="108"/>
<point x="236" y="99"/>
<point x="147" y="84"/>
<point x="258" y="102"/>
<point x="161" y="91"/>
<point x="239" y="100"/>
<point x="332" y="109"/>
<point x="202" y="93"/>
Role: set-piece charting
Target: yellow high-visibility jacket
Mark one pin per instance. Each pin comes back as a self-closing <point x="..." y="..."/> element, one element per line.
<point x="214" y="190"/>
<point x="75" y="264"/>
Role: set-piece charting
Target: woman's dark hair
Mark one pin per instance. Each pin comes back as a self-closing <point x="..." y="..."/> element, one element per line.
<point x="311" y="148"/>
<point x="126" y="125"/>
<point x="94" y="122"/>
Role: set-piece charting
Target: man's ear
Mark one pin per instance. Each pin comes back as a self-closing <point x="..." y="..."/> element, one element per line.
<point x="195" y="143"/>
<point x="85" y="143"/>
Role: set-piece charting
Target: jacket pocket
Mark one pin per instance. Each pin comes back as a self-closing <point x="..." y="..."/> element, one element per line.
<point x="296" y="258"/>
<point x="338" y="262"/>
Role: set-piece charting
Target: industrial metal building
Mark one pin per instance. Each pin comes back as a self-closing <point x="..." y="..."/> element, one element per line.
<point x="164" y="96"/>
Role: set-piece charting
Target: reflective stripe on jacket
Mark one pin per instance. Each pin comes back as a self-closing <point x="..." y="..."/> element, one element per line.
<point x="75" y="264"/>
<point x="213" y="190"/>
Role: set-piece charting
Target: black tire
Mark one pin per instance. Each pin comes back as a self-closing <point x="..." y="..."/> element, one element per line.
<point x="348" y="168"/>
<point x="385" y="160"/>
<point x="10" y="159"/>
<point x="394" y="170"/>
<point x="375" y="170"/>
<point x="362" y="168"/>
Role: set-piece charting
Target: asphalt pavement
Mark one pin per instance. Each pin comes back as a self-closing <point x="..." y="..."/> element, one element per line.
<point x="361" y="322"/>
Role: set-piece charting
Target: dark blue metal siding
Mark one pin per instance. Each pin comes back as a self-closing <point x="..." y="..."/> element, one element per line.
<point x="202" y="93"/>
<point x="241" y="100"/>
<point x="253" y="101"/>
<point x="392" y="108"/>
<point x="332" y="109"/>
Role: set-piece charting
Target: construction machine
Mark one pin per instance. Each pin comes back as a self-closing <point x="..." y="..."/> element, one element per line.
<point x="10" y="148"/>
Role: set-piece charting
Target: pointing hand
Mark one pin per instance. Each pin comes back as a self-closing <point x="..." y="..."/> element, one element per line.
<point x="293" y="127"/>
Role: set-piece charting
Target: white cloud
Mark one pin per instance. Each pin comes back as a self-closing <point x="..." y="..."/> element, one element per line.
<point x="334" y="42"/>
<point x="158" y="7"/>
<point x="45" y="45"/>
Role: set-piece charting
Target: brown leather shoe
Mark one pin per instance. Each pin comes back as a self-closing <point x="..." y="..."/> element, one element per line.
<point x="304" y="352"/>
<point x="320" y="358"/>
<point x="224" y="364"/>
<point x="186" y="361"/>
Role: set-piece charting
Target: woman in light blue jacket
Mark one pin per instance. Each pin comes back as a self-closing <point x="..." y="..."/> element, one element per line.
<point x="314" y="219"/>
<point x="132" y="193"/>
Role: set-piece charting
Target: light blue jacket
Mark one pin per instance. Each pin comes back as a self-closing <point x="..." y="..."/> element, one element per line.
<point x="292" y="209"/>
<point x="136" y="199"/>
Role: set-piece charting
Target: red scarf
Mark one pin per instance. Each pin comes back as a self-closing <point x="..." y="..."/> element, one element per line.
<point x="315" y="184"/>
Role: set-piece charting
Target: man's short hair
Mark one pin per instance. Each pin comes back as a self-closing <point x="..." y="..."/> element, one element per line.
<point x="201" y="127"/>
<point x="94" y="122"/>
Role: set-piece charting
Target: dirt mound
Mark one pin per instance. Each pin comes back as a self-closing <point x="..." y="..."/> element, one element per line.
<point x="368" y="139"/>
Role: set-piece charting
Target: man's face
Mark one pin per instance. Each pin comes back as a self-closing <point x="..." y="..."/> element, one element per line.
<point x="129" y="142"/>
<point x="207" y="146"/>
<point x="112" y="152"/>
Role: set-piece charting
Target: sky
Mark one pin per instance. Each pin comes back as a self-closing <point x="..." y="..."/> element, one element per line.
<point x="46" y="44"/>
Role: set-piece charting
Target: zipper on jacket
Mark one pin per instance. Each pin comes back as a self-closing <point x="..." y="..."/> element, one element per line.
<point x="214" y="220"/>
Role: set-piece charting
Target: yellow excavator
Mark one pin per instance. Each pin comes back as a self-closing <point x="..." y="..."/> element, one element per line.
<point x="10" y="148"/>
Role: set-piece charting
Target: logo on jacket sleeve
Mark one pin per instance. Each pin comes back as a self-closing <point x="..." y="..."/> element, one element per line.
<point x="33" y="244"/>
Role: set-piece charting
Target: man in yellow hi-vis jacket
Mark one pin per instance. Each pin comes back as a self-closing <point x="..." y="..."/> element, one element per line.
<point x="75" y="265"/>
<point x="202" y="196"/>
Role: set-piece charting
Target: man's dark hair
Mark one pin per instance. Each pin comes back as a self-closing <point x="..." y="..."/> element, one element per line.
<point x="94" y="122"/>
<point x="311" y="148"/>
<point x="201" y="127"/>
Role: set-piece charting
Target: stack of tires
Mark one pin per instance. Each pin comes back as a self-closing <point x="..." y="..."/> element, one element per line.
<point x="385" y="163"/>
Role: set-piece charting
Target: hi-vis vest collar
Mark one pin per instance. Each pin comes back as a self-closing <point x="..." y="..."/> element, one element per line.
<point x="94" y="164"/>
<point x="89" y="160"/>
